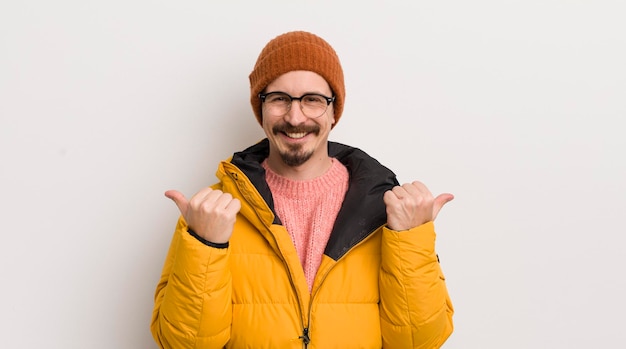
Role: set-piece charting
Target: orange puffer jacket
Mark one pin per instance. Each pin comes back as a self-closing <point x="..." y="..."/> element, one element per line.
<point x="375" y="287"/>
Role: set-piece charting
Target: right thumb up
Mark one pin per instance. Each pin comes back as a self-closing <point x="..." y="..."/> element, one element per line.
<point x="180" y="200"/>
<point x="210" y="213"/>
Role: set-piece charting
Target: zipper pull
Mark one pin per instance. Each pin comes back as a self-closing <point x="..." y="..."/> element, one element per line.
<point x="305" y="336"/>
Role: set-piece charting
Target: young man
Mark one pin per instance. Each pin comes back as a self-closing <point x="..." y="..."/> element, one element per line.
<point x="303" y="243"/>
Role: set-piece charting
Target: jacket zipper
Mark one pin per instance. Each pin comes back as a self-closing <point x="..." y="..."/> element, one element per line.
<point x="305" y="331"/>
<point x="305" y="337"/>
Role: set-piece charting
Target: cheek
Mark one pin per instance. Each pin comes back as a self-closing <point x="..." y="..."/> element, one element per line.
<point x="267" y="126"/>
<point x="331" y="119"/>
<point x="331" y="116"/>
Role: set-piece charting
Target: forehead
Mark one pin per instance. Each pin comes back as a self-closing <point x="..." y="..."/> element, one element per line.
<point x="298" y="82"/>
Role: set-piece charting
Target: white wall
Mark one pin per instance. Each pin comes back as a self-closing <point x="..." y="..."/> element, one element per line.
<point x="516" y="107"/>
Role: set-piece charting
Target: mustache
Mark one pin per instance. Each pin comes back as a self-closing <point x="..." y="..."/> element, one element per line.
<point x="286" y="128"/>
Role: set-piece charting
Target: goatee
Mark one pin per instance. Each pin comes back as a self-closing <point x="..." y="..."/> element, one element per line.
<point x="295" y="155"/>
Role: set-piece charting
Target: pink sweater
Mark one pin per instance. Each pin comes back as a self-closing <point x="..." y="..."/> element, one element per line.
<point x="308" y="210"/>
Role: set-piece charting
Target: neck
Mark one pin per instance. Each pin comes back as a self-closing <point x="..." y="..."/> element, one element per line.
<point x="312" y="168"/>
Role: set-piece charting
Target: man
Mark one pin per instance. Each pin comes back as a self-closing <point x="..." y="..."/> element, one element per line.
<point x="303" y="243"/>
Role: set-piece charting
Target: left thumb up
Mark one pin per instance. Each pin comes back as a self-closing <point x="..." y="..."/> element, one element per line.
<point x="439" y="201"/>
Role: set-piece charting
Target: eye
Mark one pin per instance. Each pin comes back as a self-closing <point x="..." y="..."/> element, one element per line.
<point x="277" y="98"/>
<point x="314" y="100"/>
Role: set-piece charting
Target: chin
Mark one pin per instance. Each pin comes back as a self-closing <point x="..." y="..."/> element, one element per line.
<point x="295" y="159"/>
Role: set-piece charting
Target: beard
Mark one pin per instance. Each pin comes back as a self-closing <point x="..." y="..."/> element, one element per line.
<point x="295" y="155"/>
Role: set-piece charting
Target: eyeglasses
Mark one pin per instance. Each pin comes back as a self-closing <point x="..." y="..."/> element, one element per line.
<point x="313" y="105"/>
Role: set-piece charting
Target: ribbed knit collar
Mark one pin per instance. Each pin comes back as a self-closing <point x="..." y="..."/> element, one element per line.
<point x="318" y="186"/>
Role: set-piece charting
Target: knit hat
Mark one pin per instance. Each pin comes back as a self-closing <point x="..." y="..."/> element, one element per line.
<point x="297" y="50"/>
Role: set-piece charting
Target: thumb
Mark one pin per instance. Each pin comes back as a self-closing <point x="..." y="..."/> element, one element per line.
<point x="179" y="199"/>
<point x="439" y="202"/>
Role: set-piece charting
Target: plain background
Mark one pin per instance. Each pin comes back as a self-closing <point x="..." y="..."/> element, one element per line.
<point x="516" y="107"/>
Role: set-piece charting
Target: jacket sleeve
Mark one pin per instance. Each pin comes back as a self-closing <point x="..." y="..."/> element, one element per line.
<point x="415" y="308"/>
<point x="193" y="300"/>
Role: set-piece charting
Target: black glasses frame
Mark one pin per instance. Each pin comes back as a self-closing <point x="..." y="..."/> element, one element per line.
<point x="329" y="100"/>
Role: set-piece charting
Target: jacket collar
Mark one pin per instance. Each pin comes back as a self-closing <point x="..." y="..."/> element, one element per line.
<point x="363" y="210"/>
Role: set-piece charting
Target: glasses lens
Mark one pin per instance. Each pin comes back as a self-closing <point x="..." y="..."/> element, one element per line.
<point x="313" y="105"/>
<point x="277" y="103"/>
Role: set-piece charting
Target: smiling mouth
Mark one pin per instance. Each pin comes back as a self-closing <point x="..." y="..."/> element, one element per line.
<point x="295" y="132"/>
<point x="296" y="135"/>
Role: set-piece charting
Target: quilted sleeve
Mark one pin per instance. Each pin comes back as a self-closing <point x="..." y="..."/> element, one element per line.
<point x="415" y="308"/>
<point x="193" y="300"/>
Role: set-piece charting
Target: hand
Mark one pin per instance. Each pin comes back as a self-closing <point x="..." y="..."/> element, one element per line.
<point x="210" y="213"/>
<point x="411" y="205"/>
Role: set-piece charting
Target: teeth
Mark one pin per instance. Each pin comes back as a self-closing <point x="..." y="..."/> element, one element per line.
<point x="296" y="135"/>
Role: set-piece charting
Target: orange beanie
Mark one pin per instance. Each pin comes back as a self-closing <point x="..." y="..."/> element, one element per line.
<point x="297" y="50"/>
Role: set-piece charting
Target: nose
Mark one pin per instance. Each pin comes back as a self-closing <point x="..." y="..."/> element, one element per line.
<point x="295" y="116"/>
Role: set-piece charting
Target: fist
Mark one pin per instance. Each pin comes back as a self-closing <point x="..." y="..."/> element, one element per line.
<point x="210" y="213"/>
<point x="411" y="205"/>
